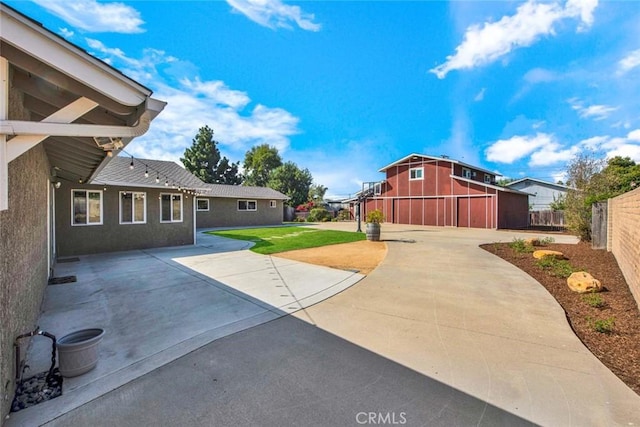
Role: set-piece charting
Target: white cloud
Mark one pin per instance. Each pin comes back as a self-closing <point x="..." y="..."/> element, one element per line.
<point x="551" y="154"/>
<point x="275" y="14"/>
<point x="615" y="146"/>
<point x="517" y="147"/>
<point x="66" y="33"/>
<point x="634" y="135"/>
<point x="596" y="112"/>
<point x="629" y="62"/>
<point x="480" y="95"/>
<point x="94" y="17"/>
<point x="540" y="75"/>
<point x="484" y="44"/>
<point x="193" y="103"/>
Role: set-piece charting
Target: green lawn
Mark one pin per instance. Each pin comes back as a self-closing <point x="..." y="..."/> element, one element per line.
<point x="272" y="240"/>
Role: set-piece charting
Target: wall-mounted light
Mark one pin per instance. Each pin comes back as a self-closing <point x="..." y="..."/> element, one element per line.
<point x="57" y="184"/>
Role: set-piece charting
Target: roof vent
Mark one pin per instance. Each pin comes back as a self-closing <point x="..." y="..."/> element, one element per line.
<point x="444" y="156"/>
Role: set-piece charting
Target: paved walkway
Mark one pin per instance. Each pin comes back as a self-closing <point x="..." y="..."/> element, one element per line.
<point x="442" y="333"/>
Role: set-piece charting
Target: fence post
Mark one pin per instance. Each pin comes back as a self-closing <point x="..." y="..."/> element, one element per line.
<point x="599" y="225"/>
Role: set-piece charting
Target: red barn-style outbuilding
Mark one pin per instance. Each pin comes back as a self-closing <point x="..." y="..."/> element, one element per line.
<point x="428" y="190"/>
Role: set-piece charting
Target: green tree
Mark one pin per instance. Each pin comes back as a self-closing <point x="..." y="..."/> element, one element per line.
<point x="289" y="179"/>
<point x="317" y="192"/>
<point x="259" y="162"/>
<point x="585" y="180"/>
<point x="203" y="160"/>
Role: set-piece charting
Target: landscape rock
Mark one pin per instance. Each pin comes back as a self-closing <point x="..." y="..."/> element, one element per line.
<point x="544" y="252"/>
<point x="583" y="282"/>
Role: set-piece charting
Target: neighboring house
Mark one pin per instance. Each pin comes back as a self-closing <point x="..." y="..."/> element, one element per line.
<point x="543" y="193"/>
<point x="61" y="112"/>
<point x="428" y="190"/>
<point x="152" y="204"/>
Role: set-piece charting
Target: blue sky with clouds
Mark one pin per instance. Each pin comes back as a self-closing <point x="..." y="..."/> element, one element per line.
<point x="345" y="88"/>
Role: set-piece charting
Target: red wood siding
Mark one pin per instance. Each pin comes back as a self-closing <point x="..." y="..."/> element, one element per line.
<point x="440" y="200"/>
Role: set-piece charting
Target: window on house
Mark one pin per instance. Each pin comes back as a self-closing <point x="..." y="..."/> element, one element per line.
<point x="247" y="205"/>
<point x="171" y="208"/>
<point x="466" y="173"/>
<point x="133" y="208"/>
<point x="377" y="189"/>
<point x="487" y="179"/>
<point x="202" y="204"/>
<point x="86" y="206"/>
<point x="273" y="204"/>
<point x="415" y="173"/>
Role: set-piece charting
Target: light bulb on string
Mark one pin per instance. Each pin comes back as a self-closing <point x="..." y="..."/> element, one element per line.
<point x="131" y="164"/>
<point x="146" y="171"/>
<point x="157" y="179"/>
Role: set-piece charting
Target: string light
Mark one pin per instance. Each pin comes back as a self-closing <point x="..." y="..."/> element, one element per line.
<point x="131" y="164"/>
<point x="157" y="178"/>
<point x="146" y="171"/>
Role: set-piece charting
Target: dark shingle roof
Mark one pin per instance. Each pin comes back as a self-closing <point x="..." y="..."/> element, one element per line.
<point x="242" y="192"/>
<point x="119" y="173"/>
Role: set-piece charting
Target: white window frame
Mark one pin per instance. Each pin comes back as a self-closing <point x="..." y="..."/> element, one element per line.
<point x="133" y="208"/>
<point x="414" y="172"/>
<point x="466" y="173"/>
<point x="198" y="200"/>
<point x="487" y="179"/>
<point x="273" y="204"/>
<point x="171" y="200"/>
<point x="255" y="204"/>
<point x="73" y="215"/>
<point x="377" y="189"/>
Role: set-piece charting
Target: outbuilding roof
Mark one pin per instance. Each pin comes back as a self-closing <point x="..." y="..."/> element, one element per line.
<point x="442" y="159"/>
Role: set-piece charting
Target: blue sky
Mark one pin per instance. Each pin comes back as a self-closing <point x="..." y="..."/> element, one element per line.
<point x="345" y="88"/>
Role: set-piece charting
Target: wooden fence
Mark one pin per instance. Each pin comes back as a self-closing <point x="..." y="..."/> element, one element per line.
<point x="546" y="218"/>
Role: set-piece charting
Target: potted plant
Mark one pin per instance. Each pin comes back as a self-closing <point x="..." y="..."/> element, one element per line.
<point x="374" y="219"/>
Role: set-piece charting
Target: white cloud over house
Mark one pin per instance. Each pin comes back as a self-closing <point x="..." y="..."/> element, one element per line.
<point x="485" y="43"/>
<point x="517" y="147"/>
<point x="192" y="103"/>
<point x="94" y="17"/>
<point x="275" y="14"/>
<point x="624" y="146"/>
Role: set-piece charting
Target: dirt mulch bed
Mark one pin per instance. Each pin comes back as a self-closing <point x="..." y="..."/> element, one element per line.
<point x="618" y="350"/>
<point x="362" y="257"/>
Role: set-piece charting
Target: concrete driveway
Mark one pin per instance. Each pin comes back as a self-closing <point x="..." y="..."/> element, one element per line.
<point x="441" y="333"/>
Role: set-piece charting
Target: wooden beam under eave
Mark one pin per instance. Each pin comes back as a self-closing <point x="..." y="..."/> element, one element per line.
<point x="4" y="115"/>
<point x="22" y="143"/>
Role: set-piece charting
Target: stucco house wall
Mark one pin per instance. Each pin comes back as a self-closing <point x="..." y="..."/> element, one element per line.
<point x="112" y="236"/>
<point x="24" y="265"/>
<point x="224" y="212"/>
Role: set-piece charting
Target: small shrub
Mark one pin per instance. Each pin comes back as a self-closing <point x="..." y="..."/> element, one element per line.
<point x="319" y="215"/>
<point x="545" y="241"/>
<point x="604" y="326"/>
<point x="555" y="267"/>
<point x="344" y="215"/>
<point x="521" y="246"/>
<point x="375" y="216"/>
<point x="594" y="299"/>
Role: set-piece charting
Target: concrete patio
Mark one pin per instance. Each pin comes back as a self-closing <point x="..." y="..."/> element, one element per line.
<point x="158" y="305"/>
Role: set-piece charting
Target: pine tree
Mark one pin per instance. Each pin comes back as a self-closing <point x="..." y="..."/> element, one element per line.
<point x="204" y="161"/>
